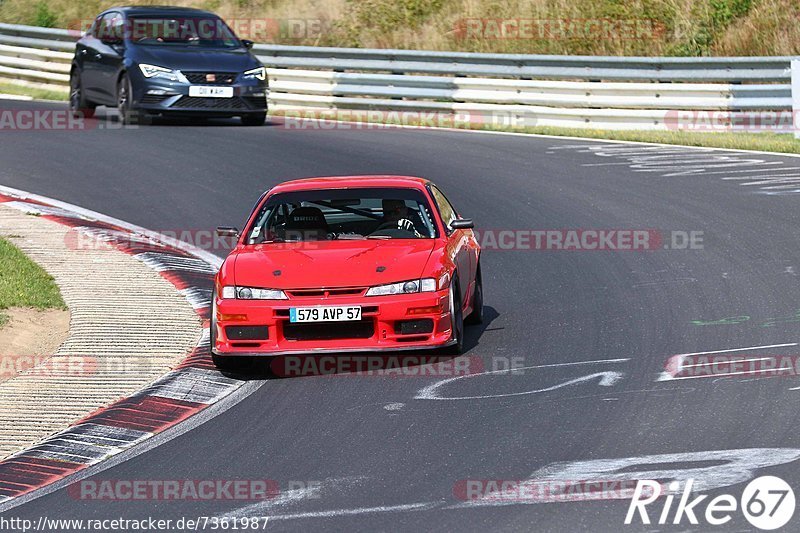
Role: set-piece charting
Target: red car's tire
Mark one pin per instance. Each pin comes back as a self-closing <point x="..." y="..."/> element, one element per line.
<point x="457" y="319"/>
<point x="476" y="316"/>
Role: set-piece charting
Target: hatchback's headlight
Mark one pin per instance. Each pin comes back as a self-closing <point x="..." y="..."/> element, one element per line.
<point x="252" y="293"/>
<point x="404" y="287"/>
<point x="259" y="73"/>
<point x="154" y="71"/>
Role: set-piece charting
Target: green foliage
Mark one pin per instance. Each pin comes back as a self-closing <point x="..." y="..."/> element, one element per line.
<point x="676" y="27"/>
<point x="724" y="11"/>
<point x="43" y="16"/>
<point x="720" y="14"/>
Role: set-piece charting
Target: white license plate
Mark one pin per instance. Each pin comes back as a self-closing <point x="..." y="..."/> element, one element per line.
<point x="211" y="92"/>
<point x="324" y="314"/>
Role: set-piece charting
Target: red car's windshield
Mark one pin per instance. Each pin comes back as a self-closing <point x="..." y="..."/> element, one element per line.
<point x="343" y="214"/>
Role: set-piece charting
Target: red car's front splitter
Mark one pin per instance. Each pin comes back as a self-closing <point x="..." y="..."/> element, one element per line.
<point x="389" y="323"/>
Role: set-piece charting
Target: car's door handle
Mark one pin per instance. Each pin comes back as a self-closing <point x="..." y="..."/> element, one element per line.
<point x="98" y="56"/>
<point x="84" y="52"/>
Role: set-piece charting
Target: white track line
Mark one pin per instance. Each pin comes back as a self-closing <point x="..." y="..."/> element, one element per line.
<point x="666" y="376"/>
<point x="743" y="349"/>
<point x="94" y="215"/>
<point x="429" y="392"/>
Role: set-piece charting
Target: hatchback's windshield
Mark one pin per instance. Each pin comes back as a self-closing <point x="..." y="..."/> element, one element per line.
<point x="343" y="214"/>
<point x="201" y="32"/>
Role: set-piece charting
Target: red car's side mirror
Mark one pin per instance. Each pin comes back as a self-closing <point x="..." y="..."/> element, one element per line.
<point x="227" y="231"/>
<point x="462" y="223"/>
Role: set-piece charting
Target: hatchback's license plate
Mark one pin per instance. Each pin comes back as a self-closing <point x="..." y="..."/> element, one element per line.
<point x="210" y="92"/>
<point x="324" y="314"/>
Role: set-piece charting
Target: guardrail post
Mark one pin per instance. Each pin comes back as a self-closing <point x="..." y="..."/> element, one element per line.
<point x="795" y="96"/>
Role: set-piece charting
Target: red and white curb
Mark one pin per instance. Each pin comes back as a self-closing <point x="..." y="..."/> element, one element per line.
<point x="190" y="388"/>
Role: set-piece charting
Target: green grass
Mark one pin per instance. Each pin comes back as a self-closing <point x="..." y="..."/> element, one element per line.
<point x="23" y="283"/>
<point x="35" y="92"/>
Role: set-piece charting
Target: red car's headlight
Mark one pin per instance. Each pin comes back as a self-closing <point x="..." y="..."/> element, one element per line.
<point x="252" y="293"/>
<point x="403" y="287"/>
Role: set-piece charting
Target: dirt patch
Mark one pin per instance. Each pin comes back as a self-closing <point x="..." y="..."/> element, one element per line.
<point x="29" y="337"/>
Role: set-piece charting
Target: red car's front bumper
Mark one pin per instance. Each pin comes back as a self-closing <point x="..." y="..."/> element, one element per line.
<point x="384" y="325"/>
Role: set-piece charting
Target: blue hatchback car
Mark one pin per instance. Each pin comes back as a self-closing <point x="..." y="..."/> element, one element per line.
<point x="149" y="61"/>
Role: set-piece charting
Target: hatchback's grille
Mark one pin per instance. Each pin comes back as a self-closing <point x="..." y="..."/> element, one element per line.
<point x="321" y="331"/>
<point x="188" y="102"/>
<point x="256" y="102"/>
<point x="154" y="99"/>
<point x="211" y="78"/>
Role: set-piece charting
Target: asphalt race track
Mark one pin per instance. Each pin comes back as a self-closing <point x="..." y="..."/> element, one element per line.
<point x="593" y="329"/>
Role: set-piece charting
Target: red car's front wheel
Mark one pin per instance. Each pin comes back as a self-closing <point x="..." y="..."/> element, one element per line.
<point x="476" y="316"/>
<point x="456" y="320"/>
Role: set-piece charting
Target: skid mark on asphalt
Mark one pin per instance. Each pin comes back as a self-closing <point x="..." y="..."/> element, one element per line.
<point x="616" y="478"/>
<point x="285" y="498"/>
<point x="336" y="513"/>
<point x="771" y="177"/>
<point x="296" y="496"/>
<point x="583" y="481"/>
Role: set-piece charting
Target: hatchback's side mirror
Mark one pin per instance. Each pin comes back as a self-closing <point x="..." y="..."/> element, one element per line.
<point x="247" y="43"/>
<point x="227" y="231"/>
<point x="462" y="223"/>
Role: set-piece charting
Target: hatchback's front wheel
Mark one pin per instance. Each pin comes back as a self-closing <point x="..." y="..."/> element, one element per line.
<point x="79" y="106"/>
<point x="127" y="114"/>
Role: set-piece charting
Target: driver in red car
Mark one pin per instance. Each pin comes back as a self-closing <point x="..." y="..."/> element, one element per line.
<point x="397" y="211"/>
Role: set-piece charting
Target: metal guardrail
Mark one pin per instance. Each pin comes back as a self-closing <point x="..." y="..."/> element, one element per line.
<point x="578" y="91"/>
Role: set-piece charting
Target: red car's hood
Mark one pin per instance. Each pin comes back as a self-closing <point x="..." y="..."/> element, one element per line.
<point x="331" y="263"/>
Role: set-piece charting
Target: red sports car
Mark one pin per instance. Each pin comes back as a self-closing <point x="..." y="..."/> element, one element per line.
<point x="345" y="264"/>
